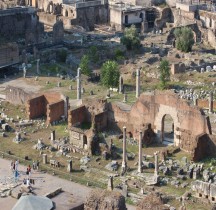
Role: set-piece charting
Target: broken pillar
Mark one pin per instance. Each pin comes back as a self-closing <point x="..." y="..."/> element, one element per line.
<point x="125" y="98"/>
<point x="52" y="135"/>
<point x="140" y="153"/>
<point x="44" y="158"/>
<point x="79" y="83"/>
<point x="59" y="84"/>
<point x="137" y="83"/>
<point x="120" y="84"/>
<point x="124" y="163"/>
<point x="38" y="66"/>
<point x="69" y="167"/>
<point x="156" y="164"/>
<point x="125" y="190"/>
<point x="210" y="102"/>
<point x="195" y="100"/>
<point x="110" y="183"/>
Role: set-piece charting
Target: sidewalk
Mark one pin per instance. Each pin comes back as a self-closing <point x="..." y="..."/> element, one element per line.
<point x="44" y="183"/>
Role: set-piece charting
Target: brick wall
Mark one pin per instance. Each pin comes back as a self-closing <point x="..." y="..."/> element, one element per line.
<point x="55" y="111"/>
<point x="77" y="115"/>
<point x="36" y="107"/>
<point x="204" y="103"/>
<point x="189" y="122"/>
<point x="49" y="104"/>
<point x="9" y="54"/>
<point x="52" y="97"/>
<point x="101" y="121"/>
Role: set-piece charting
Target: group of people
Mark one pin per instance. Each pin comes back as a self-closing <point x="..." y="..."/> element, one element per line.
<point x="26" y="181"/>
<point x="14" y="165"/>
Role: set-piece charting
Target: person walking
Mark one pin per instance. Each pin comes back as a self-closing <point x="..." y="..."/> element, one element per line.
<point x="16" y="165"/>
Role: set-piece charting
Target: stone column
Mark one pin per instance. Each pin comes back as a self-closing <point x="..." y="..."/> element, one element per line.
<point x="69" y="167"/>
<point x="44" y="158"/>
<point x="195" y="100"/>
<point x="140" y="153"/>
<point x="24" y="71"/>
<point x="110" y="183"/>
<point x="156" y="164"/>
<point x="38" y="66"/>
<point x="124" y="164"/>
<point x="120" y="84"/>
<point x="78" y="83"/>
<point x="125" y="98"/>
<point x="52" y="135"/>
<point x="210" y="102"/>
<point x="66" y="105"/>
<point x="137" y="83"/>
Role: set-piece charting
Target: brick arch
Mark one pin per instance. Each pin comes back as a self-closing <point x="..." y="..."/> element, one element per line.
<point x="159" y="122"/>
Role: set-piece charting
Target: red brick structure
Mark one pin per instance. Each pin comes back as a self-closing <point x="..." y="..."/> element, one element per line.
<point x="191" y="126"/>
<point x="204" y="103"/>
<point x="51" y="105"/>
<point x="92" y="111"/>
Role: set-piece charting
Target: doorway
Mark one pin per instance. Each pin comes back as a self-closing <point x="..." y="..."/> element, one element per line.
<point x="167" y="130"/>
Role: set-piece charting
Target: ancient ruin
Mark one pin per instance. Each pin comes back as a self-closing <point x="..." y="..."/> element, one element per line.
<point x="109" y="95"/>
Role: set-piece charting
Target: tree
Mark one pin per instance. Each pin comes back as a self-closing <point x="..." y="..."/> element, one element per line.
<point x="93" y="54"/>
<point x="131" y="38"/>
<point x="84" y="65"/>
<point x="164" y="73"/>
<point x="110" y="74"/>
<point x="184" y="39"/>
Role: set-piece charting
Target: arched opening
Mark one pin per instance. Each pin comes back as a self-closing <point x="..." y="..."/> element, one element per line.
<point x="210" y="22"/>
<point x="84" y="141"/>
<point x="167" y="130"/>
<point x="66" y="13"/>
<point x="141" y="16"/>
<point x="126" y="19"/>
<point x="50" y="8"/>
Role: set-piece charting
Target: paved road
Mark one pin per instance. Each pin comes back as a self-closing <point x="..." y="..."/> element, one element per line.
<point x="44" y="183"/>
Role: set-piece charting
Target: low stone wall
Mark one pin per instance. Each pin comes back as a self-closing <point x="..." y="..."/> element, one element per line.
<point x="47" y="19"/>
<point x="17" y="95"/>
<point x="204" y="190"/>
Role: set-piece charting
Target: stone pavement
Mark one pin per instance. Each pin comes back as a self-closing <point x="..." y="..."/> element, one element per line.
<point x="44" y="183"/>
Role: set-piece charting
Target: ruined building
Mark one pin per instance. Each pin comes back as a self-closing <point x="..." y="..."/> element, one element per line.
<point x="20" y="22"/>
<point x="191" y="127"/>
<point x="84" y="13"/>
<point x="52" y="105"/>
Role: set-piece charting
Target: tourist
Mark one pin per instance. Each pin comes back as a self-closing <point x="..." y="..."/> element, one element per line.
<point x="28" y="171"/>
<point x="24" y="181"/>
<point x="28" y="184"/>
<point x="37" y="164"/>
<point x="16" y="165"/>
<point x="12" y="165"/>
<point x="16" y="175"/>
<point x="34" y="165"/>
